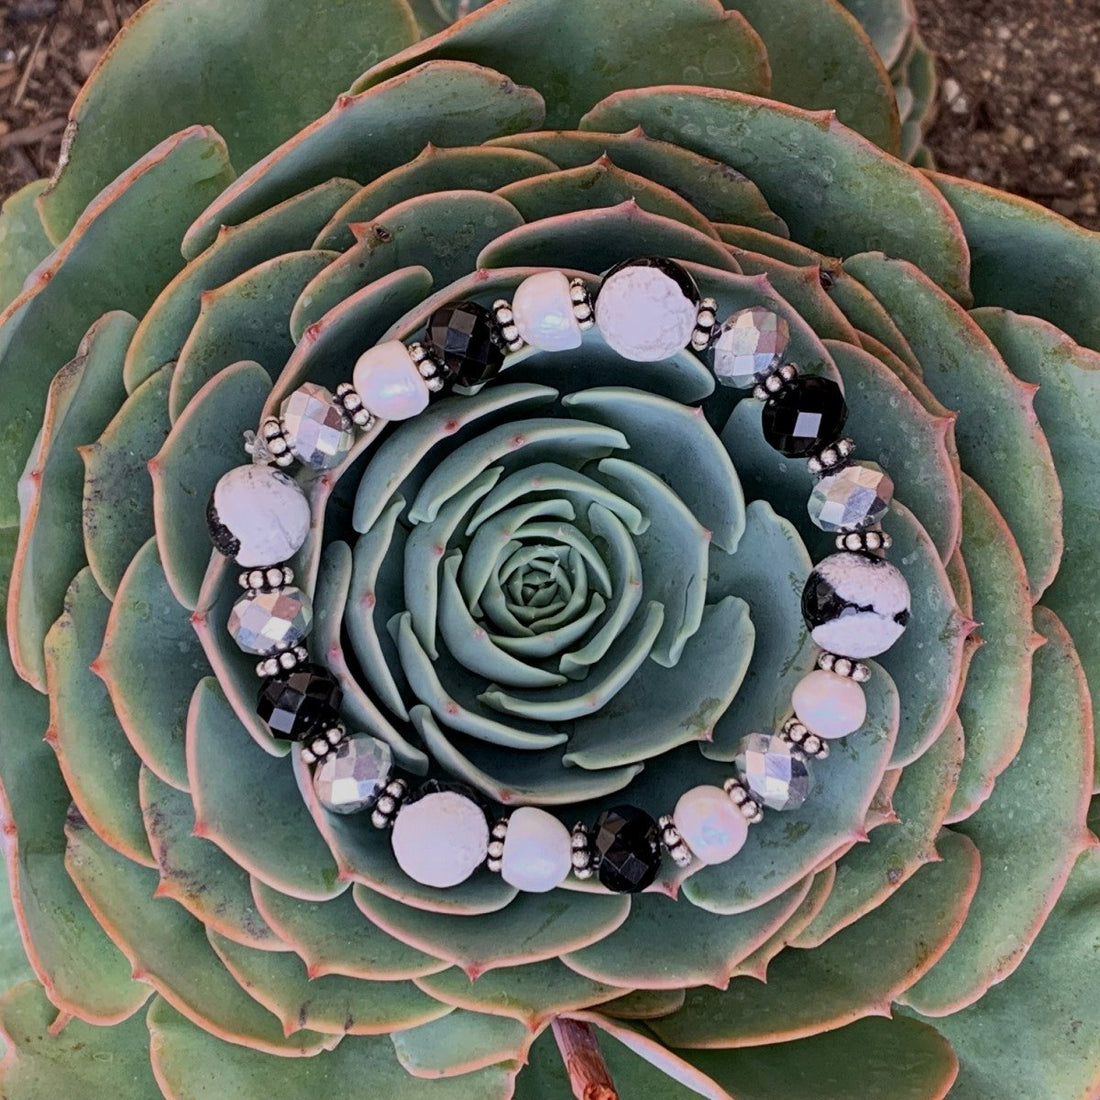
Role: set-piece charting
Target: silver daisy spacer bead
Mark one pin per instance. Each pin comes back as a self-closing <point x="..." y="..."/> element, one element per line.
<point x="495" y="858"/>
<point x="705" y="320"/>
<point x="308" y="757"/>
<point x="581" y="858"/>
<point x="844" y="666"/>
<point x="506" y="324"/>
<point x="274" y="439"/>
<point x="426" y="366"/>
<point x="670" y="837"/>
<point x="778" y="380"/>
<point x="807" y="744"/>
<point x="266" y="580"/>
<point x="582" y="303"/>
<point x="831" y="458"/>
<point x="350" y="401"/>
<point x="389" y="802"/>
<point x="740" y="797"/>
<point x="864" y="540"/>
<point x="284" y="661"/>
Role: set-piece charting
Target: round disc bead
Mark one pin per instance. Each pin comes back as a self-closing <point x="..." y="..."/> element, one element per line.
<point x="266" y="622"/>
<point x="710" y="824"/>
<point x="627" y="849"/>
<point x="852" y="499"/>
<point x="316" y="427"/>
<point x="463" y="337"/>
<point x="352" y="775"/>
<point x="441" y="837"/>
<point x="804" y="416"/>
<point x="389" y="383"/>
<point x="749" y="346"/>
<point x="538" y="851"/>
<point x="542" y="310"/>
<point x="646" y="308"/>
<point x="772" y="772"/>
<point x="257" y="515"/>
<point x="300" y="703"/>
<point x="828" y="704"/>
<point x="856" y="605"/>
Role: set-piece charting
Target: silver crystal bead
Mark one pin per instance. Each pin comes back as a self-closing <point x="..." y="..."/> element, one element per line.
<point x="852" y="499"/>
<point x="267" y="622"/>
<point x="351" y="776"/>
<point x="749" y="345"/>
<point x="315" y="426"/>
<point x="773" y="773"/>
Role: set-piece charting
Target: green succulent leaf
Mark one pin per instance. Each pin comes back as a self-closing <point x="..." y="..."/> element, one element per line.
<point x="459" y="1043"/>
<point x="23" y="241"/>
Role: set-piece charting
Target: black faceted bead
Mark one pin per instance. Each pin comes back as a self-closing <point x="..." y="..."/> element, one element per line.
<point x="463" y="337"/>
<point x="626" y="847"/>
<point x="805" y="416"/>
<point x="300" y="703"/>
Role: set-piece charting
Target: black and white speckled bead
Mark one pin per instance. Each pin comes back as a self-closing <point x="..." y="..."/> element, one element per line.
<point x="350" y="401"/>
<point x="807" y="743"/>
<point x="844" y="666"/>
<point x="506" y="325"/>
<point x="582" y="303"/>
<point x="739" y="796"/>
<point x="705" y="320"/>
<point x="495" y="858"/>
<point x="778" y="380"/>
<point x="319" y="747"/>
<point x="286" y="660"/>
<point x="389" y="802"/>
<point x="426" y="367"/>
<point x="266" y="580"/>
<point x="673" y="841"/>
<point x="873" y="541"/>
<point x="831" y="458"/>
<point x="581" y="844"/>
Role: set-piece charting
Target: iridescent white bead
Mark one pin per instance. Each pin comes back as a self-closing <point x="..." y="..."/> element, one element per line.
<point x="538" y="851"/>
<point x="644" y="313"/>
<point x="387" y="380"/>
<point x="829" y="705"/>
<point x="542" y="309"/>
<point x="264" y="510"/>
<point x="710" y="824"/>
<point x="440" y="839"/>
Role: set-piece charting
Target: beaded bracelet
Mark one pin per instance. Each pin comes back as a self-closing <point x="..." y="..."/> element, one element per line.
<point x="855" y="604"/>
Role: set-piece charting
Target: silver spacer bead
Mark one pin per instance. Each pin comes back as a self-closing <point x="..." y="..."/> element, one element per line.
<point x="285" y="660"/>
<point x="864" y="540"/>
<point x="426" y="366"/>
<point x="670" y="837"/>
<point x="778" y="380"/>
<point x="831" y="458"/>
<point x="705" y="320"/>
<point x="740" y="797"/>
<point x="807" y="744"/>
<point x="266" y="580"/>
<point x="844" y="666"/>
<point x="506" y="324"/>
<point x="352" y="404"/>
<point x="582" y="303"/>
<point x="389" y="802"/>
<point x="582" y="852"/>
<point x="494" y="860"/>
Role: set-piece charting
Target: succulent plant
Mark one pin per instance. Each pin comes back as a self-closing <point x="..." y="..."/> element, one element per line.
<point x="190" y="921"/>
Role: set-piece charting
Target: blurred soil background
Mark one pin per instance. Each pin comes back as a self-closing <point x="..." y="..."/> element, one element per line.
<point x="1019" y="98"/>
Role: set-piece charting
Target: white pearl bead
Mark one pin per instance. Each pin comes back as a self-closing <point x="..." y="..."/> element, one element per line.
<point x="387" y="381"/>
<point x="829" y="705"/>
<point x="643" y="314"/>
<point x="265" y="510"/>
<point x="543" y="312"/>
<point x="537" y="851"/>
<point x="440" y="839"/>
<point x="710" y="824"/>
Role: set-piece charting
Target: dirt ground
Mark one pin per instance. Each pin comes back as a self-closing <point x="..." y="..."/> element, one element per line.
<point x="1019" y="103"/>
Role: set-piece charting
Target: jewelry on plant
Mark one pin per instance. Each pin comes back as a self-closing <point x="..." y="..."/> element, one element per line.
<point x="855" y="603"/>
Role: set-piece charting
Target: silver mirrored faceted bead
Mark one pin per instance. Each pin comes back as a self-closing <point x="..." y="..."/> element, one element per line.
<point x="852" y="499"/>
<point x="773" y="773"/>
<point x="267" y="622"/>
<point x="749" y="346"/>
<point x="353" y="775"/>
<point x="316" y="428"/>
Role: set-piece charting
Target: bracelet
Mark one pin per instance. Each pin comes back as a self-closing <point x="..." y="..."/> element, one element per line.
<point x="855" y="604"/>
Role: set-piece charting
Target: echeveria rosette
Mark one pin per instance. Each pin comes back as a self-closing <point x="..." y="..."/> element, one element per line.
<point x="164" y="854"/>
